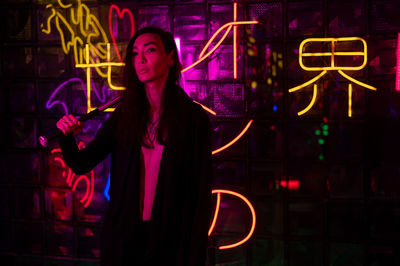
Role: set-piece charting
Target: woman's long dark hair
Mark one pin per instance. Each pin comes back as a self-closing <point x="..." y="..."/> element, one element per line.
<point x="134" y="104"/>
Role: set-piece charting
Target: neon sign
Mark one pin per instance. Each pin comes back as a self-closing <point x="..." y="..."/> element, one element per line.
<point x="253" y="216"/>
<point x="120" y="15"/>
<point x="70" y="177"/>
<point x="398" y="63"/>
<point x="333" y="55"/>
<point x="89" y="31"/>
<point x="88" y="67"/>
<point x="219" y="192"/>
<point x="87" y="55"/>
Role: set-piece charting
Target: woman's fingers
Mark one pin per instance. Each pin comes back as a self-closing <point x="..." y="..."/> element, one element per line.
<point x="68" y="124"/>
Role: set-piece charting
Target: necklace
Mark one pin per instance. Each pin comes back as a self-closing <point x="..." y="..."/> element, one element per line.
<point x="152" y="131"/>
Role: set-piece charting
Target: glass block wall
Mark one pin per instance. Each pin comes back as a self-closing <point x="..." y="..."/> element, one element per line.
<point x="324" y="181"/>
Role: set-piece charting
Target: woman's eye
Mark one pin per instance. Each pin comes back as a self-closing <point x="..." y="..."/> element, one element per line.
<point x="151" y="49"/>
<point x="134" y="53"/>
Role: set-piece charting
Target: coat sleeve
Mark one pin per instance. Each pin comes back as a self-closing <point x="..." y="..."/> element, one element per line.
<point x="201" y="192"/>
<point x="84" y="160"/>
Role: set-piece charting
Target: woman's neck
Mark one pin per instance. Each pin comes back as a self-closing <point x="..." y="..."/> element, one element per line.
<point x="154" y="93"/>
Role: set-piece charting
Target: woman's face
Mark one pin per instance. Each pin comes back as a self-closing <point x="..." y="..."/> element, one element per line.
<point x="149" y="59"/>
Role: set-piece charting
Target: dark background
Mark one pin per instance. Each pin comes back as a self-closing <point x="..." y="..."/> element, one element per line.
<point x="341" y="206"/>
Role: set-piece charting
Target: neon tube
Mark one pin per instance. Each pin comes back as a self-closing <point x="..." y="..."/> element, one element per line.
<point x="311" y="103"/>
<point x="234" y="140"/>
<point x="253" y="216"/>
<point x="350" y="100"/>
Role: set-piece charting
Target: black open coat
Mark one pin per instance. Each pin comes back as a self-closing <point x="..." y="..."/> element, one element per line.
<point x="177" y="232"/>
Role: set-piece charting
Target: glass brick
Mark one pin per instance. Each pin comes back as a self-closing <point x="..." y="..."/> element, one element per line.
<point x="23" y="132"/>
<point x="26" y="203"/>
<point x="267" y="252"/>
<point x="303" y="142"/>
<point x="18" y="23"/>
<point x="22" y="97"/>
<point x="189" y="23"/>
<point x="229" y="175"/>
<point x="266" y="140"/>
<point x="58" y="204"/>
<point x="27" y="238"/>
<point x="226" y="99"/>
<point x="18" y="61"/>
<point x="300" y="223"/>
<point x="305" y="18"/>
<point x="306" y="179"/>
<point x="270" y="17"/>
<point x="346" y="18"/>
<point x="23" y="168"/>
<point x="385" y="182"/>
<point x="60" y="240"/>
<point x="384" y="220"/>
<point x="299" y="253"/>
<point x="4" y="202"/>
<point x="382" y="61"/>
<point x="265" y="177"/>
<point x="189" y="54"/>
<point x="51" y="62"/>
<point x="153" y="16"/>
<point x="345" y="181"/>
<point x="89" y="242"/>
<point x="5" y="236"/>
<point x="346" y="254"/>
<point x="351" y="227"/>
<point x="232" y="257"/>
<point x="345" y="141"/>
<point x="220" y="64"/>
<point x="269" y="213"/>
<point x="384" y="17"/>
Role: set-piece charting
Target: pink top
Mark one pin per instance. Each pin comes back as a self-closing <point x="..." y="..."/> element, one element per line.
<point x="152" y="159"/>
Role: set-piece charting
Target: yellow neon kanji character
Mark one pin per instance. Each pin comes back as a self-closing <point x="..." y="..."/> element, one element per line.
<point x="333" y="56"/>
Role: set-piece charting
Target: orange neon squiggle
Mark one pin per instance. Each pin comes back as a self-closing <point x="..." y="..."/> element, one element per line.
<point x="253" y="216"/>
<point x="206" y="108"/>
<point x="215" y="214"/>
<point x="234" y="41"/>
<point x="201" y="55"/>
<point x="227" y="25"/>
<point x="234" y="140"/>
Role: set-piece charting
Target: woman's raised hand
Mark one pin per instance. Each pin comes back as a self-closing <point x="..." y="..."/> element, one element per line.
<point x="69" y="124"/>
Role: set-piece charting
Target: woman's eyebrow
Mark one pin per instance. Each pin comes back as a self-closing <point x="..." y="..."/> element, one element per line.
<point x="146" y="44"/>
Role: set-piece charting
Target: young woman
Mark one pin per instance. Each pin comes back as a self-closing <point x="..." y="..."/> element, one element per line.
<point x="159" y="141"/>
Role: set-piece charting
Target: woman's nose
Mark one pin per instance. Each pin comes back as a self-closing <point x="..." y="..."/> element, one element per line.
<point x="141" y="58"/>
